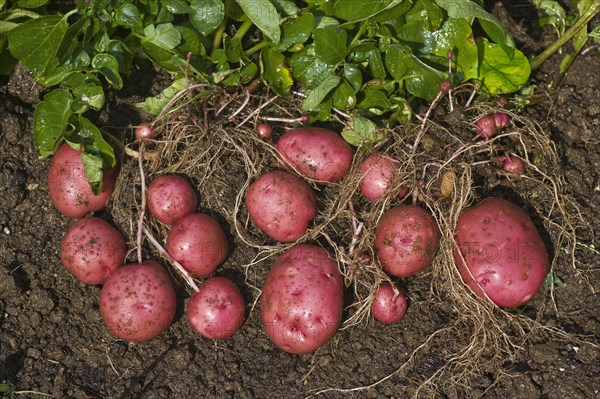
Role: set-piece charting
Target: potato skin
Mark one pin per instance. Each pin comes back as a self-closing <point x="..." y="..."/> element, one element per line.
<point x="281" y="204"/>
<point x="387" y="307"/>
<point x="216" y="311"/>
<point x="317" y="153"/>
<point x="199" y="243"/>
<point x="379" y="171"/>
<point x="69" y="188"/>
<point x="92" y="249"/>
<point x="406" y="240"/>
<point x="137" y="301"/>
<point x="302" y="298"/>
<point x="170" y="197"/>
<point x="501" y="252"/>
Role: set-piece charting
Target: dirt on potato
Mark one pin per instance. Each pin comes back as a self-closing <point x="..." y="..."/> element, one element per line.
<point x="448" y="345"/>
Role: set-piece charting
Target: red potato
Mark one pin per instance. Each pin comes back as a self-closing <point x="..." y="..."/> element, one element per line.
<point x="199" y="243"/>
<point x="281" y="205"/>
<point x="513" y="165"/>
<point x="389" y="307"/>
<point x="406" y="240"/>
<point x="92" y="249"/>
<point x="501" y="253"/>
<point x="489" y="125"/>
<point x="137" y="301"/>
<point x="69" y="187"/>
<point x="144" y="131"/>
<point x="379" y="170"/>
<point x="302" y="298"/>
<point x="216" y="311"/>
<point x="264" y="131"/>
<point x="171" y="197"/>
<point x="317" y="153"/>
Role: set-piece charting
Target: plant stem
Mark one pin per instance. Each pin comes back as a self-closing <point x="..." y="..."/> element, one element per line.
<point x="143" y="204"/>
<point x="539" y="59"/>
<point x="218" y="37"/>
<point x="243" y="29"/>
<point x="255" y="48"/>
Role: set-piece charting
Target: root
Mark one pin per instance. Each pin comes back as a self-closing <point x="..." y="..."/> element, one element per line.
<point x="216" y="147"/>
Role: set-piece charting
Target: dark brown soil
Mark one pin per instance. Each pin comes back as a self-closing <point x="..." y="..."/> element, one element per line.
<point x="53" y="340"/>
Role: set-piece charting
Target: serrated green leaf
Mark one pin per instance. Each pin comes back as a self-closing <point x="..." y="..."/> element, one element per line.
<point x="499" y="74"/>
<point x="36" y="42"/>
<point x="264" y="15"/>
<point x="207" y="15"/>
<point x="50" y="119"/>
<point x="330" y="44"/>
<point x="153" y="105"/>
<point x="318" y="94"/>
<point x="108" y="66"/>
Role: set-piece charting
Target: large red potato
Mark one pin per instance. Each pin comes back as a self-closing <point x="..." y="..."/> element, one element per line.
<point x="216" y="311"/>
<point x="500" y="252"/>
<point x="406" y="240"/>
<point x="91" y="249"/>
<point x="281" y="205"/>
<point x="378" y="171"/>
<point x="199" y="243"/>
<point x="137" y="301"/>
<point x="69" y="187"/>
<point x="301" y="301"/>
<point x="170" y="197"/>
<point x="318" y="153"/>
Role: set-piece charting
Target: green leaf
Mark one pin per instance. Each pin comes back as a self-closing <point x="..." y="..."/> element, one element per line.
<point x="330" y="44"/>
<point x="94" y="143"/>
<point x="296" y="31"/>
<point x="165" y="36"/>
<point x="316" y="96"/>
<point x="264" y="15"/>
<point x="207" y="15"/>
<point x="50" y="119"/>
<point x="177" y="6"/>
<point x="469" y="9"/>
<point x="31" y="3"/>
<point x="153" y="105"/>
<point x="309" y="69"/>
<point x="286" y="7"/>
<point x="128" y="16"/>
<point x="359" y="10"/>
<point x="499" y="74"/>
<point x="88" y="95"/>
<point x="92" y="164"/>
<point x="274" y="71"/>
<point x="164" y="58"/>
<point x="353" y="76"/>
<point x="36" y="42"/>
<point x="108" y="66"/>
<point x="233" y="48"/>
<point x="343" y="96"/>
<point x="361" y="131"/>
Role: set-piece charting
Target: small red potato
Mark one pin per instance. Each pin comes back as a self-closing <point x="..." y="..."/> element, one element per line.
<point x="216" y="311"/>
<point x="137" y="301"/>
<point x="92" y="249"/>
<point x="264" y="131"/>
<point x="500" y="252"/>
<point x="281" y="204"/>
<point x="302" y="298"/>
<point x="389" y="306"/>
<point x="406" y="240"/>
<point x="317" y="153"/>
<point x="379" y="170"/>
<point x="144" y="131"/>
<point x="199" y="243"/>
<point x="513" y="165"/>
<point x="170" y="197"/>
<point x="489" y="125"/>
<point x="69" y="187"/>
